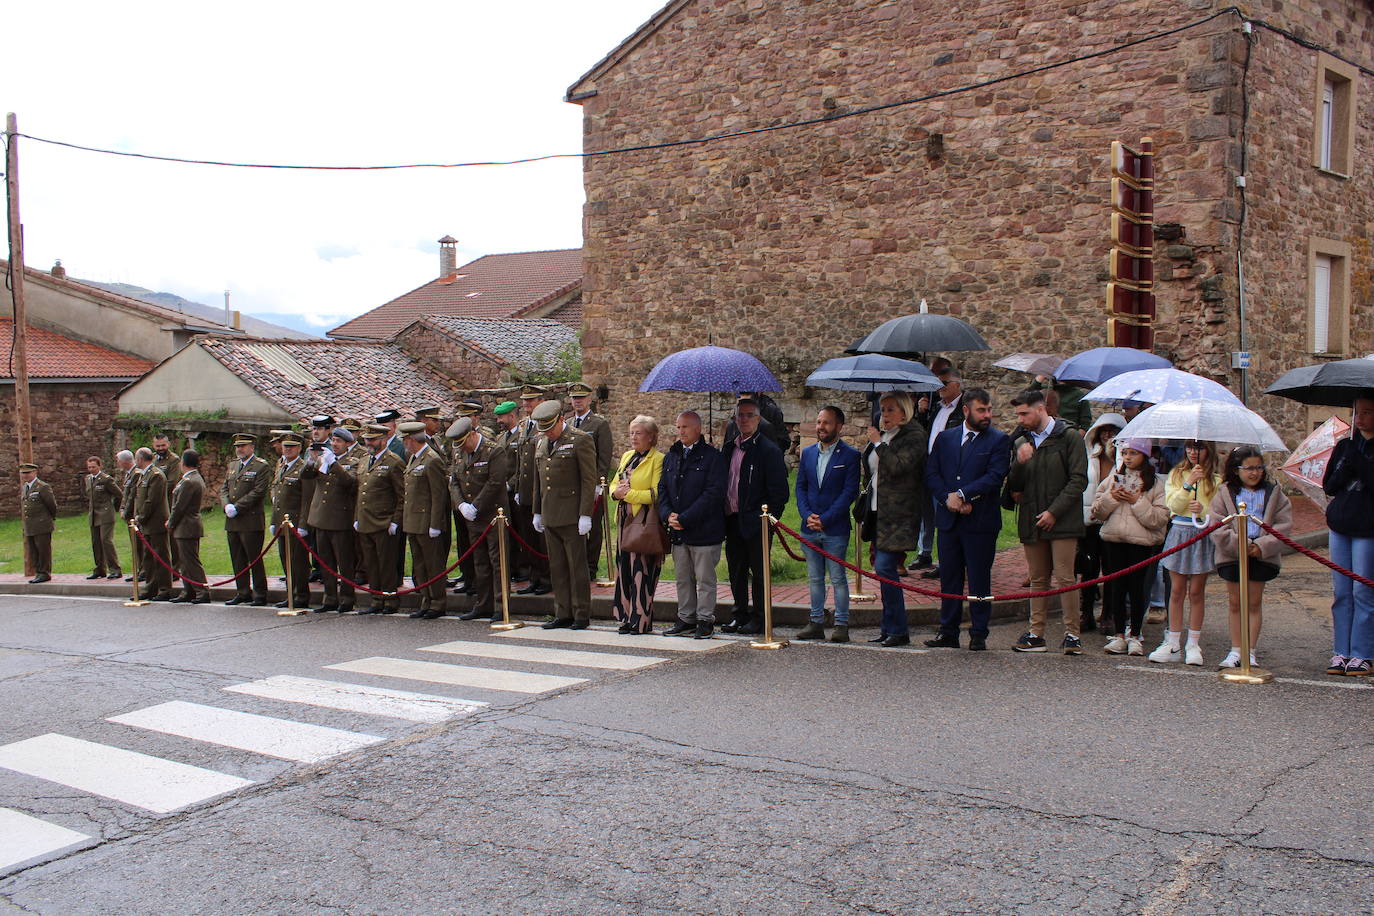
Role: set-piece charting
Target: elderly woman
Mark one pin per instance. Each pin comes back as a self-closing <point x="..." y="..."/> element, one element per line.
<point x="637" y="491"/>
<point x="893" y="471"/>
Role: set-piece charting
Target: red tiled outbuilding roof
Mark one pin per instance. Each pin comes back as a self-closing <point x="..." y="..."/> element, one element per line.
<point x="52" y="356"/>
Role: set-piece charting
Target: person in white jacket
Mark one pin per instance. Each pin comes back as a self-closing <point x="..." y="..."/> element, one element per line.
<point x="1100" y="441"/>
<point x="1130" y="506"/>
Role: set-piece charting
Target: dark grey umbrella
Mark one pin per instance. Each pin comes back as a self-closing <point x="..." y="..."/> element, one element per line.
<point x="921" y="333"/>
<point x="1328" y="385"/>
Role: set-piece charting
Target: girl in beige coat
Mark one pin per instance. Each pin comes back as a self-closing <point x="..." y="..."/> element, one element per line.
<point x="1130" y="506"/>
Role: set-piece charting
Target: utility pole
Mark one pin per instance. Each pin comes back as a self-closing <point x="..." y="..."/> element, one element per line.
<point x="22" y="414"/>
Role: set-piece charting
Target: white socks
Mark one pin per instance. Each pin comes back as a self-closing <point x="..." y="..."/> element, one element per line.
<point x="1171" y="638"/>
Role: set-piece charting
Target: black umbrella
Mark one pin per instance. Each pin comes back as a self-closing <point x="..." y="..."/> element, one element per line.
<point x="1328" y="385"/>
<point x="921" y="333"/>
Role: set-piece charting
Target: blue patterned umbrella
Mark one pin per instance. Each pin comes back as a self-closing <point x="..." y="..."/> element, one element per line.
<point x="710" y="369"/>
<point x="1155" y="386"/>
<point x="873" y="372"/>
<point x="1098" y="365"/>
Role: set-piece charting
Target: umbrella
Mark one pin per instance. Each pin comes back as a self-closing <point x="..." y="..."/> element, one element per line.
<point x="1030" y="363"/>
<point x="710" y="369"/>
<point x="1196" y="418"/>
<point x="1330" y="384"/>
<point x="1307" y="465"/>
<point x="1155" y="386"/>
<point x="921" y="333"/>
<point x="873" y="372"/>
<point x="1096" y="366"/>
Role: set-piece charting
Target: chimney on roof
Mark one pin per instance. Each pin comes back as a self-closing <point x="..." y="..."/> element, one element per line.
<point x="58" y="270"/>
<point x="448" y="256"/>
<point x="238" y="320"/>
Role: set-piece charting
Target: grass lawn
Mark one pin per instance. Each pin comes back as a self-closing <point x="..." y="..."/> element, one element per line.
<point x="71" y="547"/>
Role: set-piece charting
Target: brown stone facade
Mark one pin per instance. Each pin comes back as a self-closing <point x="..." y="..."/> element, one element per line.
<point x="440" y="352"/>
<point x="70" y="422"/>
<point x="992" y="203"/>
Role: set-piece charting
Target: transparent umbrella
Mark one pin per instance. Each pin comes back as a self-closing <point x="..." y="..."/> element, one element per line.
<point x="1155" y="386"/>
<point x="1212" y="421"/>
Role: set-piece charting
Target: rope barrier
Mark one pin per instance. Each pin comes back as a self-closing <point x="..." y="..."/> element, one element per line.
<point x="189" y="581"/>
<point x="523" y="543"/>
<point x="403" y="591"/>
<point x="1313" y="555"/>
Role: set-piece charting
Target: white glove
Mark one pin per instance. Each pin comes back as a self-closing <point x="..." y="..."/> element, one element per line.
<point x="327" y="459"/>
<point x="391" y="529"/>
<point x="231" y="510"/>
<point x="355" y="526"/>
<point x="304" y="531"/>
<point x="584" y="525"/>
<point x="272" y="530"/>
<point x="539" y="523"/>
<point x="468" y="511"/>
<point x="517" y="499"/>
<point x="434" y="532"/>
<point x="600" y="489"/>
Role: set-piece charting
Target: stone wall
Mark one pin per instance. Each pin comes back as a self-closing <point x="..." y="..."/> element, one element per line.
<point x="468" y="368"/>
<point x="70" y="422"/>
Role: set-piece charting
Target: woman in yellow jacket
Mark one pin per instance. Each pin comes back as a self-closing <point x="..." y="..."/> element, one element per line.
<point x="637" y="488"/>
<point x="1188" y="493"/>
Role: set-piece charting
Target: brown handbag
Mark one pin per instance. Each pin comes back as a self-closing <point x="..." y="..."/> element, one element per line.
<point x="642" y="532"/>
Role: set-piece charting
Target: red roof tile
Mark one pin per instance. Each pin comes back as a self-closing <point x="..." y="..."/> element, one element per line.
<point x="495" y="286"/>
<point x="51" y="355"/>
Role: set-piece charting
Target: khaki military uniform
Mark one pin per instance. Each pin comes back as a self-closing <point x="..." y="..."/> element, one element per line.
<point x="39" y="511"/>
<point x="331" y="515"/>
<point x="381" y="504"/>
<point x="126" y="511"/>
<point x="565" y="490"/>
<point x="150" y="511"/>
<point x="245" y="487"/>
<point x="290" y="497"/>
<point x="185" y="526"/>
<point x="527" y="438"/>
<point x="103" y="498"/>
<point x="426" y="508"/>
<point x="479" y="478"/>
<point x="170" y="466"/>
<point x="596" y="426"/>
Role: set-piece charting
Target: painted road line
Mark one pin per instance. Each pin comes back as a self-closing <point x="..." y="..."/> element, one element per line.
<point x="600" y="637"/>
<point x="510" y="653"/>
<point x="374" y="701"/>
<point x="24" y="838"/>
<point x="458" y="675"/>
<point x="246" y="731"/>
<point x="1346" y="684"/>
<point x="135" y="779"/>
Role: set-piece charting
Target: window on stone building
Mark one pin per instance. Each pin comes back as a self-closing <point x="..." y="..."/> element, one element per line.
<point x="1334" y="109"/>
<point x="1328" y="272"/>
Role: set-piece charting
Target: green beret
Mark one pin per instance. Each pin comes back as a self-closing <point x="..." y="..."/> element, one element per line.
<point x="504" y="408"/>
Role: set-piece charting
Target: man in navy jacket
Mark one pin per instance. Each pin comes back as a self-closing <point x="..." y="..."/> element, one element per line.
<point x="754" y="476"/>
<point x="691" y="502"/>
<point x="964" y="475"/>
<point x="827" y="482"/>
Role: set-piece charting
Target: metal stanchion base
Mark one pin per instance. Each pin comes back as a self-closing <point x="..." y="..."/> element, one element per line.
<point x="604" y="583"/>
<point x="862" y="599"/>
<point x="1253" y="676"/>
<point x="513" y="625"/>
<point x="139" y="603"/>
<point x="768" y="644"/>
<point x="289" y="613"/>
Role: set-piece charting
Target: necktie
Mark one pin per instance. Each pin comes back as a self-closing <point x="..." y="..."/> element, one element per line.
<point x="968" y="437"/>
<point x="578" y="422"/>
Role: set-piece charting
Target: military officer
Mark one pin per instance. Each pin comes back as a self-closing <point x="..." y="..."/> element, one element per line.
<point x="150" y="512"/>
<point x="103" y="497"/>
<point x="473" y="408"/>
<point x="389" y="418"/>
<point x="166" y="460"/>
<point x="290" y="498"/>
<point x="186" y="529"/>
<point x="39" y="511"/>
<point x="477" y="487"/>
<point x="594" y="425"/>
<point x="507" y="439"/>
<point x="378" y="516"/>
<point x="564" y="492"/>
<point x="331" y="515"/>
<point x="433" y="419"/>
<point x="522" y="514"/>
<point x="359" y="454"/>
<point x="128" y="477"/>
<point x="425" y="516"/>
<point x="243" y="493"/>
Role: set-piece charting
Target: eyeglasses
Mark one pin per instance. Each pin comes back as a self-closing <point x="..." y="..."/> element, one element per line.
<point x="1194" y="447"/>
<point x="1252" y="467"/>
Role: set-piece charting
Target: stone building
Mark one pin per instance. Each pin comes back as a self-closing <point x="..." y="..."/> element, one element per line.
<point x="490" y="352"/>
<point x="986" y="190"/>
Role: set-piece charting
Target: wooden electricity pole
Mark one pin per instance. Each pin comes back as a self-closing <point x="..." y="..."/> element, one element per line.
<point x="19" y="354"/>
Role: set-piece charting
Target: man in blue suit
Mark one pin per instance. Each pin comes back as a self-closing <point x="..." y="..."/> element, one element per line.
<point x="964" y="475"/>
<point x="827" y="482"/>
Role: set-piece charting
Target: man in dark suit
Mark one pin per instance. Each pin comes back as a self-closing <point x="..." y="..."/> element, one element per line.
<point x="755" y="476"/>
<point x="827" y="482"/>
<point x="964" y="475"/>
<point x="944" y="411"/>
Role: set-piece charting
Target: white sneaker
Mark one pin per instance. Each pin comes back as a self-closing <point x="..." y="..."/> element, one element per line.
<point x="1115" y="646"/>
<point x="1166" y="653"/>
<point x="1134" y="646"/>
<point x="1192" y="655"/>
<point x="1232" y="660"/>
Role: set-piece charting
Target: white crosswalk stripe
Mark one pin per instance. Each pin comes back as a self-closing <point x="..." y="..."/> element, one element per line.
<point x="458" y="675"/>
<point x="374" y="701"/>
<point x="545" y="655"/>
<point x="246" y="731"/>
<point x="24" y="838"/>
<point x="135" y="779"/>
<point x="599" y="637"/>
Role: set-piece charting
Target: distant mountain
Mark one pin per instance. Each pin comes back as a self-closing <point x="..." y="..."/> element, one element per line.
<point x="291" y="326"/>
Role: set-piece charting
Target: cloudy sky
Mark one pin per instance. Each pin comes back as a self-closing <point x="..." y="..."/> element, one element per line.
<point x="303" y="82"/>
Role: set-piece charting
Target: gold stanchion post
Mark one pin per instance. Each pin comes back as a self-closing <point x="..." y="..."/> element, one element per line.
<point x="288" y="533"/>
<point x="500" y="531"/>
<point x="607" y="580"/>
<point x="767" y="642"/>
<point x="1245" y="674"/>
<point x="133" y="542"/>
<point x="857" y="593"/>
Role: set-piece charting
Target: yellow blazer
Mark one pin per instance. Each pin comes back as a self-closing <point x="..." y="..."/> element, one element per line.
<point x="643" y="479"/>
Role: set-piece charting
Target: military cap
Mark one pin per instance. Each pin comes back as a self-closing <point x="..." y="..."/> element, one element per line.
<point x="322" y="421"/>
<point x="468" y="408"/>
<point x="532" y="391"/>
<point x="579" y="389"/>
<point x="28" y="467"/>
<point x="410" y="428"/>
<point x="375" y="431"/>
<point x="504" y="408"/>
<point x="290" y="438"/>
<point x="245" y="439"/>
<point x="547" y="414"/>
<point x="386" y="416"/>
<point x="352" y="424"/>
<point x="341" y="433"/>
<point x="460" y="428"/>
<point x="276" y="435"/>
<point x="432" y="412"/>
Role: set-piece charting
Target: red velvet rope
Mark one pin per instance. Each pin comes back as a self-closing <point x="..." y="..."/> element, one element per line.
<point x="189" y="581"/>
<point x="404" y="591"/>
<point x="1313" y="555"/>
<point x="521" y="541"/>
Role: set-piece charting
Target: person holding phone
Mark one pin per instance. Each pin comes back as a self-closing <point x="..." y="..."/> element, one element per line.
<point x="1191" y="486"/>
<point x="1130" y="507"/>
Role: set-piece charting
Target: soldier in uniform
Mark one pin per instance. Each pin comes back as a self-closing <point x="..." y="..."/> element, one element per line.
<point x="103" y="497"/>
<point x="473" y="409"/>
<point x="507" y="420"/>
<point x="186" y="529"/>
<point x="291" y="497"/>
<point x="522" y="514"/>
<point x="170" y="465"/>
<point x="331" y="514"/>
<point x="359" y="454"/>
<point x="564" y="491"/>
<point x="243" y="493"/>
<point x="425" y="517"/>
<point x="129" y="476"/>
<point x="389" y="418"/>
<point x="150" y="511"/>
<point x="39" y="510"/>
<point x="433" y="419"/>
<point x="477" y="487"/>
<point x="594" y="425"/>
<point x="378" y="516"/>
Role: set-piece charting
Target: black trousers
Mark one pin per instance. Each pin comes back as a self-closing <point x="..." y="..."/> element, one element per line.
<point x="1088" y="565"/>
<point x="744" y="562"/>
<point x="462" y="540"/>
<point x="1134" y="588"/>
<point x="243" y="547"/>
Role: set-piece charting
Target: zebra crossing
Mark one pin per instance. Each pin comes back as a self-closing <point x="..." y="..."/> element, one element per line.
<point x="505" y="668"/>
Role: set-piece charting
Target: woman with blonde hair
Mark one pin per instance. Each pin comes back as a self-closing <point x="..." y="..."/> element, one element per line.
<point x="1188" y="493"/>
<point x="638" y="565"/>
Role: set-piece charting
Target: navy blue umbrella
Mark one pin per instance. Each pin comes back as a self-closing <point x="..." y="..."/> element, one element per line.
<point x="710" y="369"/>
<point x="1098" y="365"/>
<point x="873" y="372"/>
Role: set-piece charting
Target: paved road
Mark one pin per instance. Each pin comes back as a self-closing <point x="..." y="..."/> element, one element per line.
<point x="383" y="765"/>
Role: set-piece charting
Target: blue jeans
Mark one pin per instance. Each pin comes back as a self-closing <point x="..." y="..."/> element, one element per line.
<point x="894" y="603"/>
<point x="1352" y="608"/>
<point x="816" y="567"/>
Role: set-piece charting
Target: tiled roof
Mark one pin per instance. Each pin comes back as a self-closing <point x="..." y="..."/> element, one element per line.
<point x="526" y="343"/>
<point x="495" y="286"/>
<point x="52" y="355"/>
<point x="343" y="378"/>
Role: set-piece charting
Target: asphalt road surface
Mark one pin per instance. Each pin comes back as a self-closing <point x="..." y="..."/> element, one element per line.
<point x="225" y="760"/>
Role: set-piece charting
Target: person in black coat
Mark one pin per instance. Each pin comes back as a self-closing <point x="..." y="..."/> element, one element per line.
<point x="1349" y="481"/>
<point x="691" y="502"/>
<point x="754" y="476"/>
